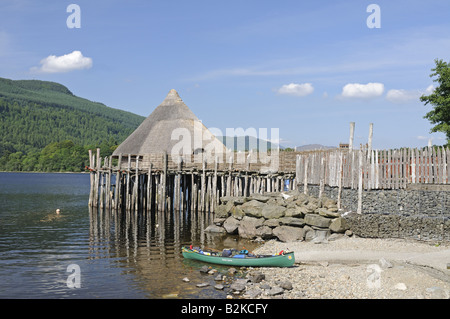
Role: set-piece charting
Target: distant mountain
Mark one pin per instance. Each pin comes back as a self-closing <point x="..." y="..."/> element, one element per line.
<point x="35" y="114"/>
<point x="313" y="147"/>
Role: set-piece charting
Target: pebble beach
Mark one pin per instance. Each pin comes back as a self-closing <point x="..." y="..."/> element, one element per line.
<point x="353" y="268"/>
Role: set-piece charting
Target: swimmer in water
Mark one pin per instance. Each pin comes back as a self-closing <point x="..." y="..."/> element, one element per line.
<point x="52" y="217"/>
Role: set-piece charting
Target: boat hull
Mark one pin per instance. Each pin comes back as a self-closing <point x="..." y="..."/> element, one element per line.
<point x="285" y="260"/>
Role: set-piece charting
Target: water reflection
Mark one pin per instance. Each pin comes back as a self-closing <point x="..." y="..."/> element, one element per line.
<point x="148" y="247"/>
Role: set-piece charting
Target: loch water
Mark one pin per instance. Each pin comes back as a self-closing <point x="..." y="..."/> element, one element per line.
<point x="91" y="253"/>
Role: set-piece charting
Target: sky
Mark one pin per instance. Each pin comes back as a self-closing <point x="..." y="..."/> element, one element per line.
<point x="306" y="68"/>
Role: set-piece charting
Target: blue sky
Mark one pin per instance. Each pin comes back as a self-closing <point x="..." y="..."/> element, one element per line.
<point x="308" y="68"/>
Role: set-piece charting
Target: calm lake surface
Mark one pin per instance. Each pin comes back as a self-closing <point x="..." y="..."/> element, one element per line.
<point x="117" y="257"/>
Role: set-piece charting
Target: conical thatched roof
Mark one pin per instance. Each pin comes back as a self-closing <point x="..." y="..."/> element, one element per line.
<point x="172" y="125"/>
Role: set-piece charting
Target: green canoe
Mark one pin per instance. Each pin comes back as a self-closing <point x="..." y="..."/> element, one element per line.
<point x="282" y="260"/>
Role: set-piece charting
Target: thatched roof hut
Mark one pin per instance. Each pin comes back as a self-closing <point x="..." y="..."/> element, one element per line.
<point x="171" y="128"/>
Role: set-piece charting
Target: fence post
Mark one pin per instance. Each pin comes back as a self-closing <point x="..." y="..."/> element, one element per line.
<point x="352" y="133"/>
<point x="360" y="181"/>
<point x="305" y="180"/>
<point x="340" y="180"/>
<point x="369" y="144"/>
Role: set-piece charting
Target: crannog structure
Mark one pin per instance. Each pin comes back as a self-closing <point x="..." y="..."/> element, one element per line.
<point x="173" y="162"/>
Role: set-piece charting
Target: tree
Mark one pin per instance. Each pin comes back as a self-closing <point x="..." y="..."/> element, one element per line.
<point x="440" y="99"/>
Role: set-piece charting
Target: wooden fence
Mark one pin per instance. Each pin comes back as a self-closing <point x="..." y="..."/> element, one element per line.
<point x="372" y="169"/>
<point x="375" y="169"/>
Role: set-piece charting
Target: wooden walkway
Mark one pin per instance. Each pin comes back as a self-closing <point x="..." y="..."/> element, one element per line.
<point x="136" y="184"/>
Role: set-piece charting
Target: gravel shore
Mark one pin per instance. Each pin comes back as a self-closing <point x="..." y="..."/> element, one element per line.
<point x="356" y="268"/>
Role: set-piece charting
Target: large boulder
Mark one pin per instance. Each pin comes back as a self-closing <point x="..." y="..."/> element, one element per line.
<point x="259" y="197"/>
<point x="265" y="232"/>
<point x="288" y="233"/>
<point x="253" y="202"/>
<point x="272" y="222"/>
<point x="222" y="211"/>
<point x="273" y="211"/>
<point x="328" y="213"/>
<point x="252" y="211"/>
<point x="237" y="212"/>
<point x="248" y="225"/>
<point x="317" y="220"/>
<point x="252" y="208"/>
<point x="292" y="221"/>
<point x="233" y="199"/>
<point x="231" y="225"/>
<point x="294" y="212"/>
<point x="215" y="229"/>
<point x="339" y="225"/>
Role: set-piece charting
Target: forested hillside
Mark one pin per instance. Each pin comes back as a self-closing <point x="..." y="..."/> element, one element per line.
<point x="44" y="127"/>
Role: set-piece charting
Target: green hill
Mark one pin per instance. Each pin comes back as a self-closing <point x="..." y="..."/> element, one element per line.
<point x="45" y="127"/>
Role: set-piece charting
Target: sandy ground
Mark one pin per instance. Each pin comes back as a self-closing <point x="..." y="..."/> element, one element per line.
<point x="353" y="267"/>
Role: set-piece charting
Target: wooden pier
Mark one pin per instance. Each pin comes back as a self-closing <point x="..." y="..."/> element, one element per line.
<point x="134" y="183"/>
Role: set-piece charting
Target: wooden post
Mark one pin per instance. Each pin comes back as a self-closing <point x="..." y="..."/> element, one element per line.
<point x="228" y="192"/>
<point x="214" y="186"/>
<point x="203" y="189"/>
<point x="444" y="166"/>
<point x="163" y="184"/>
<point x="177" y="196"/>
<point x="102" y="188"/>
<point x="360" y="182"/>
<point x="97" y="178"/>
<point x="136" y="185"/>
<point x="191" y="192"/>
<point x="149" y="188"/>
<point x="127" y="191"/>
<point x="340" y="177"/>
<point x="322" y="176"/>
<point x="377" y="173"/>
<point x="117" y="188"/>
<point x="369" y="144"/>
<point x="108" y="184"/>
<point x="92" y="179"/>
<point x="208" y="195"/>
<point x="447" y="152"/>
<point x="184" y="193"/>
<point x="194" y="198"/>
<point x="305" y="176"/>
<point x="352" y="133"/>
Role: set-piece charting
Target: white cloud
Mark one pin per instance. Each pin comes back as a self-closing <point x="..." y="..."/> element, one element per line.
<point x="404" y="96"/>
<point x="64" y="63"/>
<point x="429" y="89"/>
<point x="296" y="89"/>
<point x="401" y="96"/>
<point x="365" y="91"/>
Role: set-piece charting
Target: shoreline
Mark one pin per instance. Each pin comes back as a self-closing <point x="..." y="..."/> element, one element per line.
<point x="354" y="268"/>
<point x="36" y="172"/>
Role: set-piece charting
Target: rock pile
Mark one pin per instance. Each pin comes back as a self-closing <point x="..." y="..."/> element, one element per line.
<point x="287" y="216"/>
